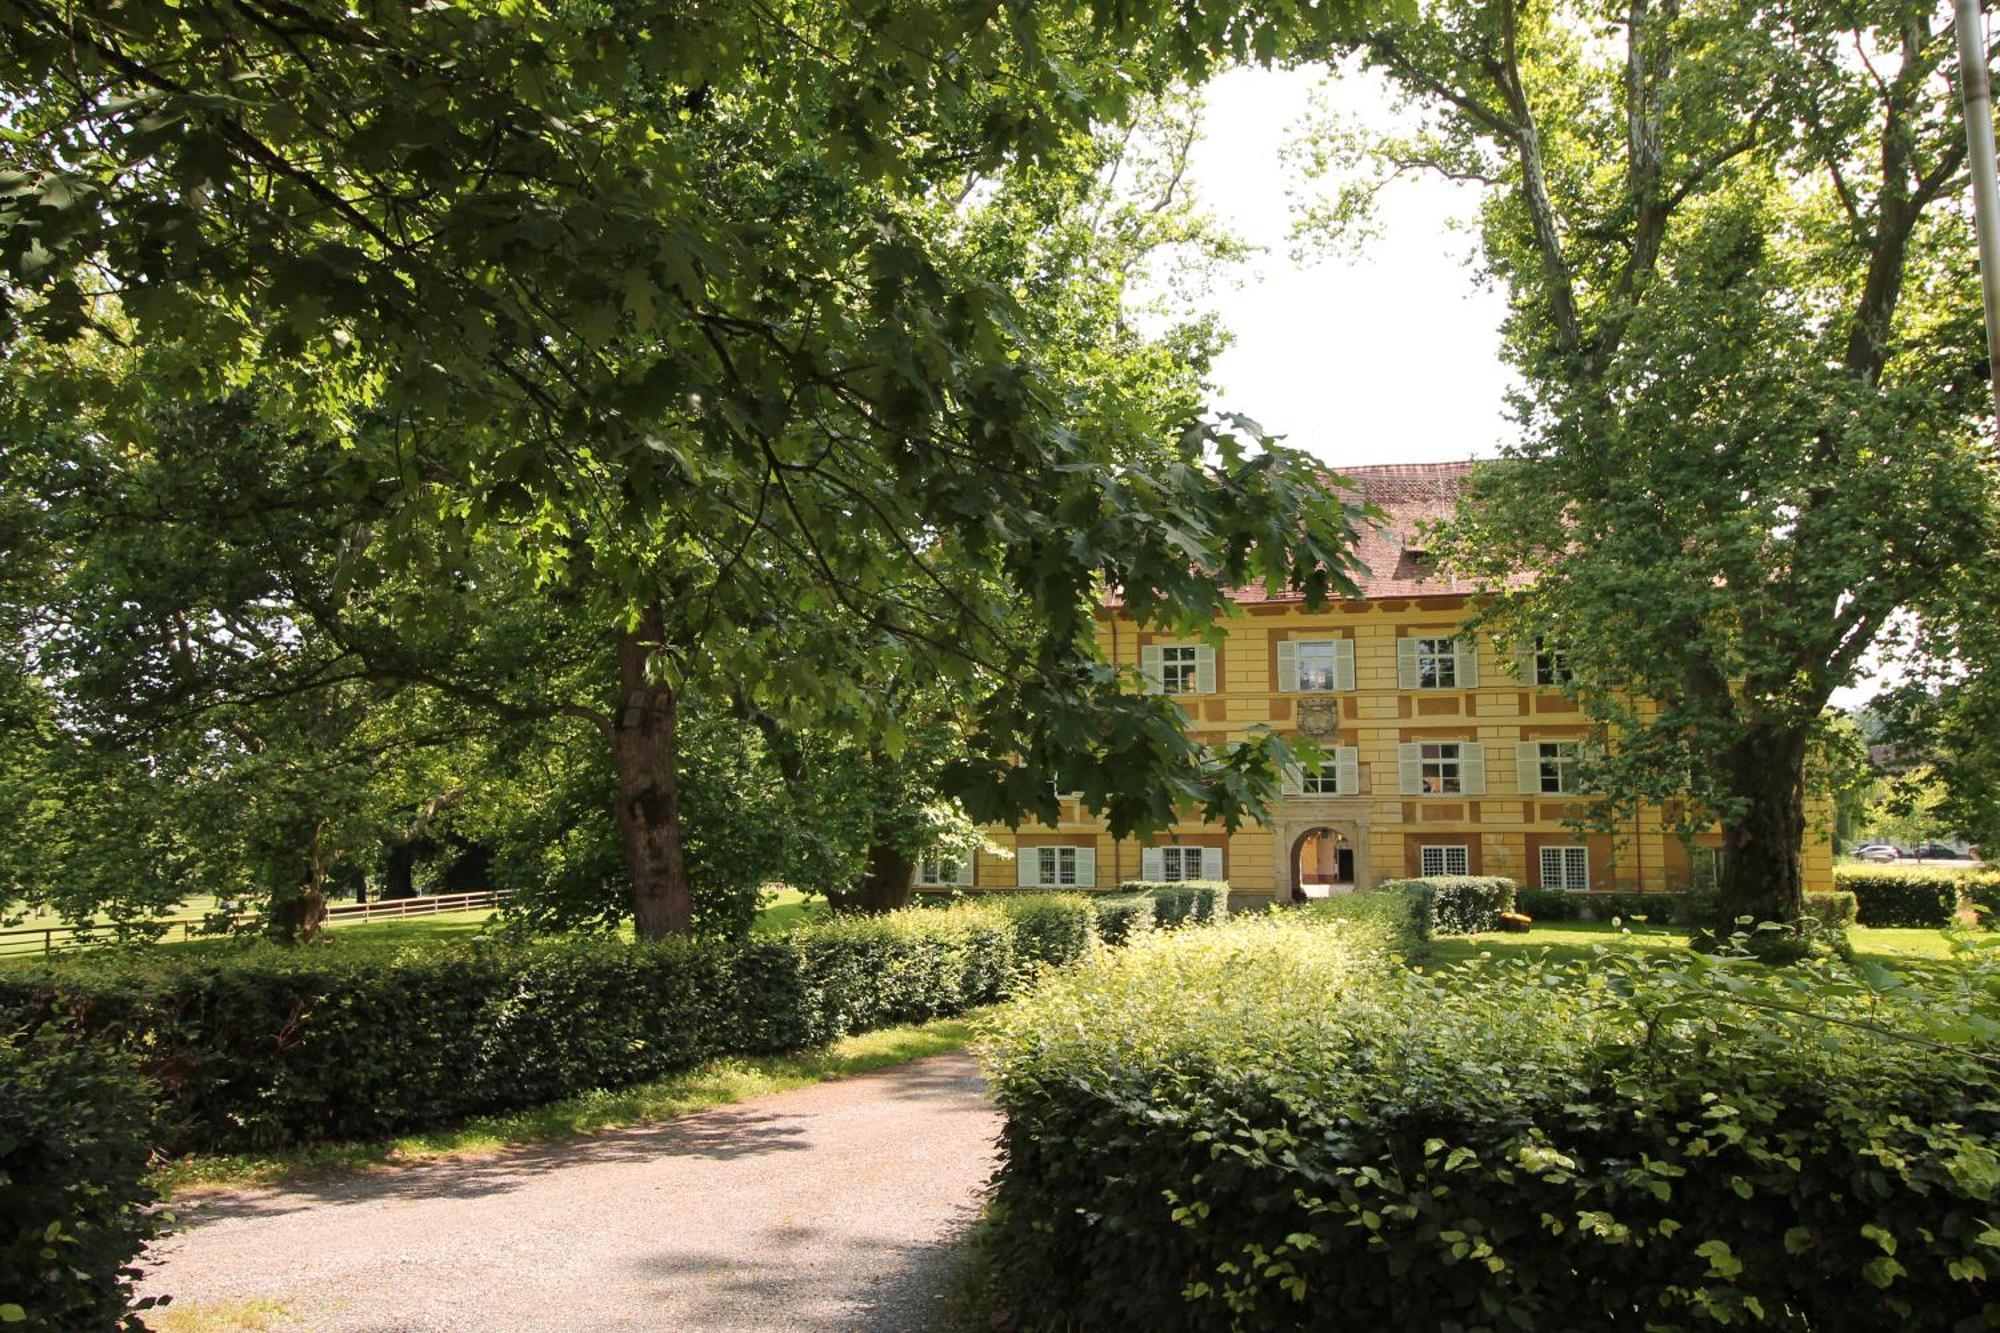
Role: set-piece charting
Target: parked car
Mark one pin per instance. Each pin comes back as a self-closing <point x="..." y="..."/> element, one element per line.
<point x="1878" y="851"/>
<point x="1937" y="851"/>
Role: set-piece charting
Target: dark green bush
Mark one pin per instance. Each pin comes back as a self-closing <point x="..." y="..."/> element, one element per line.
<point x="1251" y="1128"/>
<point x="76" y="1128"/>
<point x="1896" y="896"/>
<point x="1123" y="919"/>
<point x="1550" y="904"/>
<point x="268" y="1047"/>
<point x="1049" y="928"/>
<point x="1184" y="901"/>
<point x="1462" y="904"/>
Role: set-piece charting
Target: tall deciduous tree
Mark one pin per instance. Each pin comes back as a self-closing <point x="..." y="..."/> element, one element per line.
<point x="1745" y="314"/>
<point x="658" y="302"/>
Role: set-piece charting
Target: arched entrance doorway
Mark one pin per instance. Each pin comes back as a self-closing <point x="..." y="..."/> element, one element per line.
<point x="1322" y="864"/>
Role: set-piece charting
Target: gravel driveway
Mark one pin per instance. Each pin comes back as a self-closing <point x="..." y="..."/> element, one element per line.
<point x="827" y="1208"/>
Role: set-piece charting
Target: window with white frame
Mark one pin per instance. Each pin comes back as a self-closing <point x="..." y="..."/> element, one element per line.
<point x="1565" y="868"/>
<point x="1182" y="862"/>
<point x="1319" y="664"/>
<point x="937" y="871"/>
<point x="1707" y="867"/>
<point x="1179" y="669"/>
<point x="1555" y="766"/>
<point x="1551" y="665"/>
<point x="1321" y="780"/>
<point x="1437" y="664"/>
<point x="1441" y="767"/>
<point x="1055" y="866"/>
<point x="1444" y="859"/>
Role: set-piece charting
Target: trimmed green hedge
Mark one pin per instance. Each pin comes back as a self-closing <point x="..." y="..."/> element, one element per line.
<point x="268" y="1047"/>
<point x="1834" y="908"/>
<point x="1262" y="1127"/>
<point x="1916" y="895"/>
<point x="1398" y="915"/>
<point x="1123" y="919"/>
<point x="1183" y="901"/>
<point x="1462" y="904"/>
<point x="76" y="1132"/>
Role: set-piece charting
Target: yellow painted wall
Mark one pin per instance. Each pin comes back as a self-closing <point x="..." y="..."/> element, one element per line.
<point x="1501" y="828"/>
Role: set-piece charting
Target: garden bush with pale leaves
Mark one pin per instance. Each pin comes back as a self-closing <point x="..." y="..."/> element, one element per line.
<point x="1270" y="1126"/>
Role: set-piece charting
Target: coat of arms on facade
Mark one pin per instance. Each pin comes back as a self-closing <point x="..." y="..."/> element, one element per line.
<point x="1319" y="718"/>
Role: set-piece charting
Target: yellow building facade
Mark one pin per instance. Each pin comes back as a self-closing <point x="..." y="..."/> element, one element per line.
<point x="1443" y="754"/>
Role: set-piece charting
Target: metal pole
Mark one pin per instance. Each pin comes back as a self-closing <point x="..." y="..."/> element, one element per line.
<point x="1977" y="89"/>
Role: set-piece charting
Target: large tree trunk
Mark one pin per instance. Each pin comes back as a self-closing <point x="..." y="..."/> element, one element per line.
<point x="1762" y="874"/>
<point x="885" y="886"/>
<point x="298" y="919"/>
<point x="644" y="752"/>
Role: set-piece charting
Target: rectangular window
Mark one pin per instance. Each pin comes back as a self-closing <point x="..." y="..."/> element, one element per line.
<point x="940" y="870"/>
<point x="1556" y="765"/>
<point x="1179" y="672"/>
<point x="1321" y="780"/>
<point x="1437" y="664"/>
<point x="1319" y="667"/>
<point x="1441" y="768"/>
<point x="1055" y="866"/>
<point x="1551" y="665"/>
<point x="1180" y="863"/>
<point x="1707" y="868"/>
<point x="1565" y="868"/>
<point x="1446" y="860"/>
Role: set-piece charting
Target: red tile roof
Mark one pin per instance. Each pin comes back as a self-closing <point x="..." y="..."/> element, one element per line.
<point x="1409" y="495"/>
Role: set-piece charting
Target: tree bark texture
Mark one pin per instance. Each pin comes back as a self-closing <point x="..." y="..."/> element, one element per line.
<point x="1763" y="876"/>
<point x="645" y="752"/>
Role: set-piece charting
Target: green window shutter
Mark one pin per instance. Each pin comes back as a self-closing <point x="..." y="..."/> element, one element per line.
<point x="1288" y="665"/>
<point x="1152" y="865"/>
<point x="1410" y="768"/>
<point x="1211" y="863"/>
<point x="1472" y="768"/>
<point x="1204" y="669"/>
<point x="1292" y="780"/>
<point x="1086" y="867"/>
<point x="1406" y="664"/>
<point x="1026" y="860"/>
<point x="1528" y="767"/>
<point x="1151" y="666"/>
<point x="1465" y="649"/>
<point x="1343" y="664"/>
<point x="1347" y="770"/>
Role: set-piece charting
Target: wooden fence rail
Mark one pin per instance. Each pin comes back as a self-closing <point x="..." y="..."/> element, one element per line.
<point x="53" y="939"/>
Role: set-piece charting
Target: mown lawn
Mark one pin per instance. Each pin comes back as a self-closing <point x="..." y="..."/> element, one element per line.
<point x="1569" y="941"/>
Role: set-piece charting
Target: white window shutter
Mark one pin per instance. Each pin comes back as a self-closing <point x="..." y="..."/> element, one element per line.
<point x="1524" y="666"/>
<point x="1410" y="768"/>
<point x="1152" y="667"/>
<point x="1288" y="666"/>
<point x="1406" y="664"/>
<point x="1466" y="649"/>
<point x="1472" y="768"/>
<point x="1026" y="861"/>
<point x="1347" y="770"/>
<point x="1292" y="780"/>
<point x="964" y="870"/>
<point x="1343" y="664"/>
<point x="1086" y="867"/>
<point x="1211" y="863"/>
<point x="1528" y="767"/>
<point x="1204" y="669"/>
<point x="917" y="875"/>
<point x="1152" y="865"/>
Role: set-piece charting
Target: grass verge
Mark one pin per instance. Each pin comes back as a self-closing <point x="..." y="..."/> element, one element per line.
<point x="1574" y="941"/>
<point x="716" y="1083"/>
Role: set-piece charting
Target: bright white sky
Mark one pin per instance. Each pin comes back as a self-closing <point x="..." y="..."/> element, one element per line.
<point x="1388" y="356"/>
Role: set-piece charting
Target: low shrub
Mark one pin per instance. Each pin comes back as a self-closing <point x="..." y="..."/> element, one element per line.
<point x="1123" y="919"/>
<point x="76" y="1129"/>
<point x="1835" y="909"/>
<point x="1184" y="901"/>
<point x="1550" y="904"/>
<point x="1050" y="929"/>
<point x="267" y="1047"/>
<point x="1396" y="916"/>
<point x="1902" y="896"/>
<point x="1462" y="904"/>
<point x="1254" y="1127"/>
